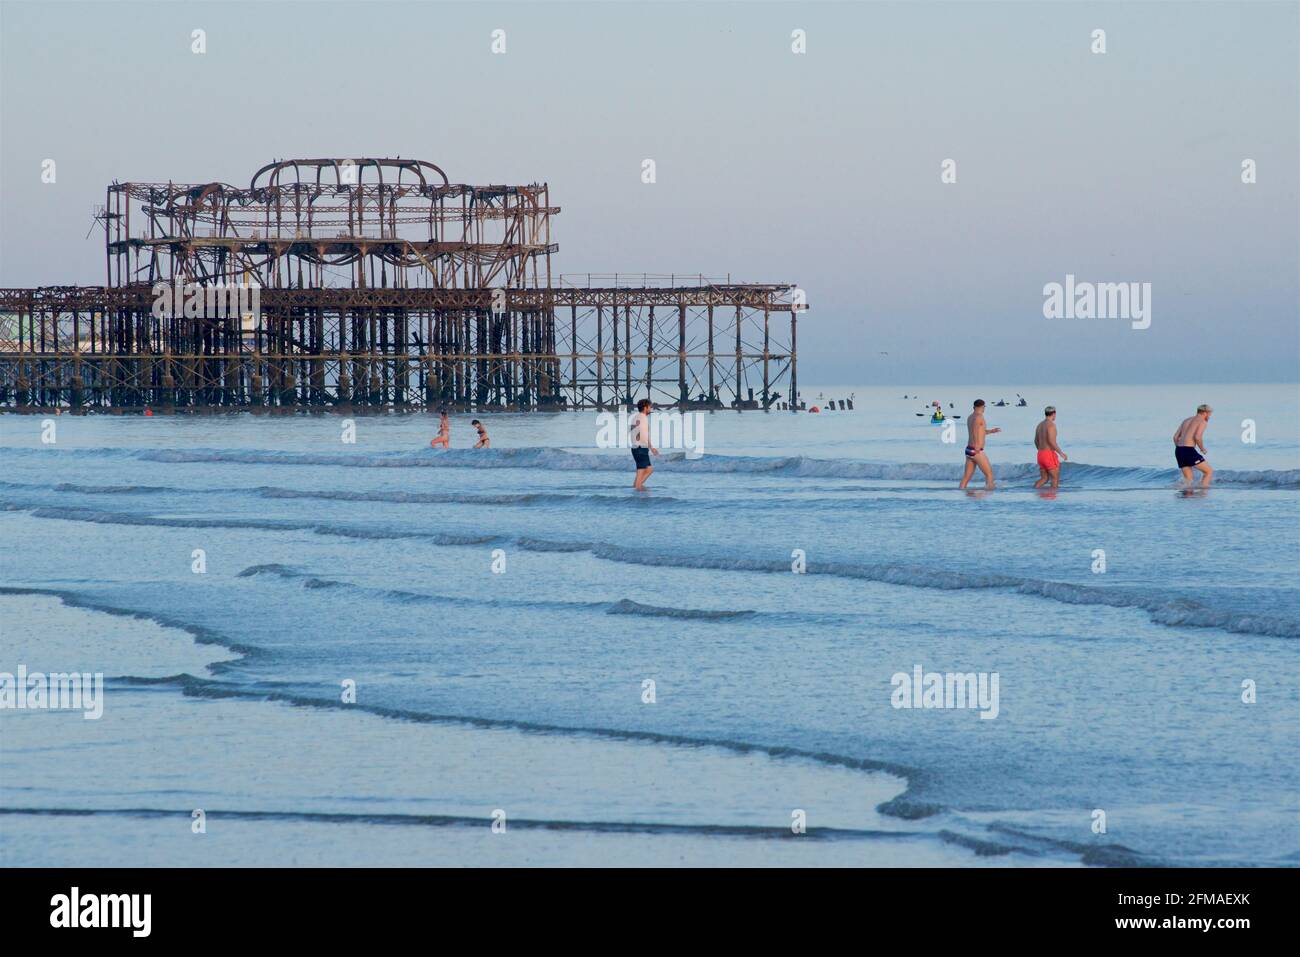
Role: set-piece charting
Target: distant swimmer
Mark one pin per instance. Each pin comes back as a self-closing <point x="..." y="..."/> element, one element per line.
<point x="483" y="441"/>
<point x="1049" y="453"/>
<point x="443" y="437"/>
<point x="639" y="432"/>
<point x="977" y="430"/>
<point x="1190" y="437"/>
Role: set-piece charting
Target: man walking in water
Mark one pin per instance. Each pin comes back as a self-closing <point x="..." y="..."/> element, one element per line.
<point x="639" y="430"/>
<point x="1049" y="453"/>
<point x="1190" y="437"/>
<point x="977" y="430"/>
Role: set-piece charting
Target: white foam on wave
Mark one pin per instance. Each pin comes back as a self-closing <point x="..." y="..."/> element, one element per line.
<point x="793" y="466"/>
<point x="45" y="634"/>
<point x="796" y="466"/>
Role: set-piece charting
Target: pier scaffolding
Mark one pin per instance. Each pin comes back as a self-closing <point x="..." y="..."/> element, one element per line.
<point x="378" y="283"/>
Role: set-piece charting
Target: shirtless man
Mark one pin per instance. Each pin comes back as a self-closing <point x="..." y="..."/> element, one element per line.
<point x="639" y="434"/>
<point x="1049" y="453"/>
<point x="977" y="431"/>
<point x="443" y="437"/>
<point x="483" y="441"/>
<point x="1190" y="437"/>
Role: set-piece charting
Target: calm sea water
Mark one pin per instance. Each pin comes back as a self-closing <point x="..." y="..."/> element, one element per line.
<point x="502" y="615"/>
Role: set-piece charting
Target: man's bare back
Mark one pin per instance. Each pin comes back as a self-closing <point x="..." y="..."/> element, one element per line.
<point x="1191" y="432"/>
<point x="1189" y="446"/>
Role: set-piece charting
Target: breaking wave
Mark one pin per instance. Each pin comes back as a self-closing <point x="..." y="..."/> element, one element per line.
<point x="1162" y="608"/>
<point x="624" y="606"/>
<point x="795" y="466"/>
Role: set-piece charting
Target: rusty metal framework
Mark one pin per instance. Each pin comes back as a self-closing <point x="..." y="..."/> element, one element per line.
<point x="314" y="223"/>
<point x="378" y="284"/>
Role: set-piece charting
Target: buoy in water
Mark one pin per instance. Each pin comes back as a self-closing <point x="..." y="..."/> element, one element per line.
<point x="814" y="409"/>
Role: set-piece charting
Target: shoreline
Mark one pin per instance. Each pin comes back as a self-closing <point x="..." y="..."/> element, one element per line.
<point x="159" y="725"/>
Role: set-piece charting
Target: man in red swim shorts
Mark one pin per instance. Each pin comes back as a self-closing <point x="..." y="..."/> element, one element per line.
<point x="1049" y="453"/>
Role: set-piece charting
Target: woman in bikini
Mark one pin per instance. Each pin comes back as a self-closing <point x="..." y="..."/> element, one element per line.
<point x="443" y="437"/>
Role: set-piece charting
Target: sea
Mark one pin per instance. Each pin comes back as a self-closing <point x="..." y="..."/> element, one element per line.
<point x="324" y="643"/>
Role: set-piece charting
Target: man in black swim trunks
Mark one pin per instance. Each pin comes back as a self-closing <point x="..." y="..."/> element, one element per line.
<point x="639" y="430"/>
<point x="1189" y="437"/>
<point x="976" y="430"/>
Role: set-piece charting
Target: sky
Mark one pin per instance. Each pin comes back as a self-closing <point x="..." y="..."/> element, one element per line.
<point x="821" y="168"/>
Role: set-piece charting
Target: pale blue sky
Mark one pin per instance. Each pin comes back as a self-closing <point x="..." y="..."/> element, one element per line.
<point x="820" y="169"/>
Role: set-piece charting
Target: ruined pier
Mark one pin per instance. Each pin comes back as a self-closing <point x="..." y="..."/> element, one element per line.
<point x="378" y="283"/>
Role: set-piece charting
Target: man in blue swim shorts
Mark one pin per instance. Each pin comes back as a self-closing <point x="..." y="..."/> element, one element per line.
<point x="639" y="430"/>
